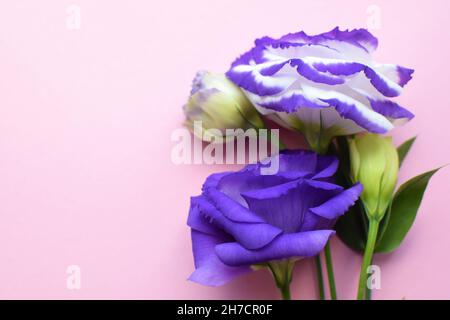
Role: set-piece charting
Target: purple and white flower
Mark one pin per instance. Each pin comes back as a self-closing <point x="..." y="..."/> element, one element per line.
<point x="327" y="83"/>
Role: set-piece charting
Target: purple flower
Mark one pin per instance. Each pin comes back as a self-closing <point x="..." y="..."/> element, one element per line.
<point x="243" y="218"/>
<point x="328" y="80"/>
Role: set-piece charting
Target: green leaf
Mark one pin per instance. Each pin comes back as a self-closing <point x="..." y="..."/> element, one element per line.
<point x="403" y="212"/>
<point x="404" y="149"/>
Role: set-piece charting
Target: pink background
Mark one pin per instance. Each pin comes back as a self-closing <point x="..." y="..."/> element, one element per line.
<point x="85" y="122"/>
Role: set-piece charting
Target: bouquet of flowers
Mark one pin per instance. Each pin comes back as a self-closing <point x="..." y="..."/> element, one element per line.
<point x="328" y="88"/>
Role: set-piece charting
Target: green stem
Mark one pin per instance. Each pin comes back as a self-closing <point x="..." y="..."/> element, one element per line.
<point x="319" y="144"/>
<point x="368" y="293"/>
<point x="285" y="293"/>
<point x="320" y="277"/>
<point x="368" y="254"/>
<point x="282" y="273"/>
<point x="318" y="138"/>
<point x="329" y="263"/>
<point x="368" y="289"/>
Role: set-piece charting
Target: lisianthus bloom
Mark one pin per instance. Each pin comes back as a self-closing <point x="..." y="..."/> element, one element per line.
<point x="374" y="163"/>
<point x="324" y="85"/>
<point x="243" y="219"/>
<point x="218" y="104"/>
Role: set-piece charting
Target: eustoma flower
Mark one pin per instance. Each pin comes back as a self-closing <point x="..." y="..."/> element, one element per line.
<point x="325" y="85"/>
<point x="218" y="104"/>
<point x="244" y="219"/>
<point x="374" y="163"/>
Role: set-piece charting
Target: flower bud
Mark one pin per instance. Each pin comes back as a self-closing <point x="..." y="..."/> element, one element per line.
<point x="374" y="163"/>
<point x="219" y="104"/>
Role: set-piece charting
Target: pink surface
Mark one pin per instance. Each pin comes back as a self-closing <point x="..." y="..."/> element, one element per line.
<point x="85" y="122"/>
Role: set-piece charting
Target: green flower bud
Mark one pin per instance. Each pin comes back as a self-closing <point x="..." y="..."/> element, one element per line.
<point x="374" y="163"/>
<point x="219" y="104"/>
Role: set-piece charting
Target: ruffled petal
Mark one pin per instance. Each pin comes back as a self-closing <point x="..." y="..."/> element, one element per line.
<point x="309" y="72"/>
<point x="395" y="73"/>
<point x="313" y="222"/>
<point x="319" y="99"/>
<point x="324" y="185"/>
<point x="281" y="206"/>
<point x="303" y="244"/>
<point x="289" y="101"/>
<point x="360" y="114"/>
<point x="404" y="75"/>
<point x="210" y="270"/>
<point x="249" y="72"/>
<point x="231" y="209"/>
<point x="250" y="235"/>
<point x="326" y="167"/>
<point x="385" y="85"/>
<point x="250" y="178"/>
<point x="284" y="206"/>
<point x="331" y="71"/>
<point x="360" y="38"/>
<point x="197" y="221"/>
<point x="390" y="109"/>
<point x="339" y="204"/>
<point x="294" y="164"/>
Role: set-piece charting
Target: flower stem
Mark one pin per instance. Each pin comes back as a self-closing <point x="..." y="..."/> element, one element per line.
<point x="368" y="254"/>
<point x="368" y="293"/>
<point x="320" y="277"/>
<point x="282" y="273"/>
<point x="285" y="292"/>
<point x="329" y="263"/>
<point x="319" y="143"/>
